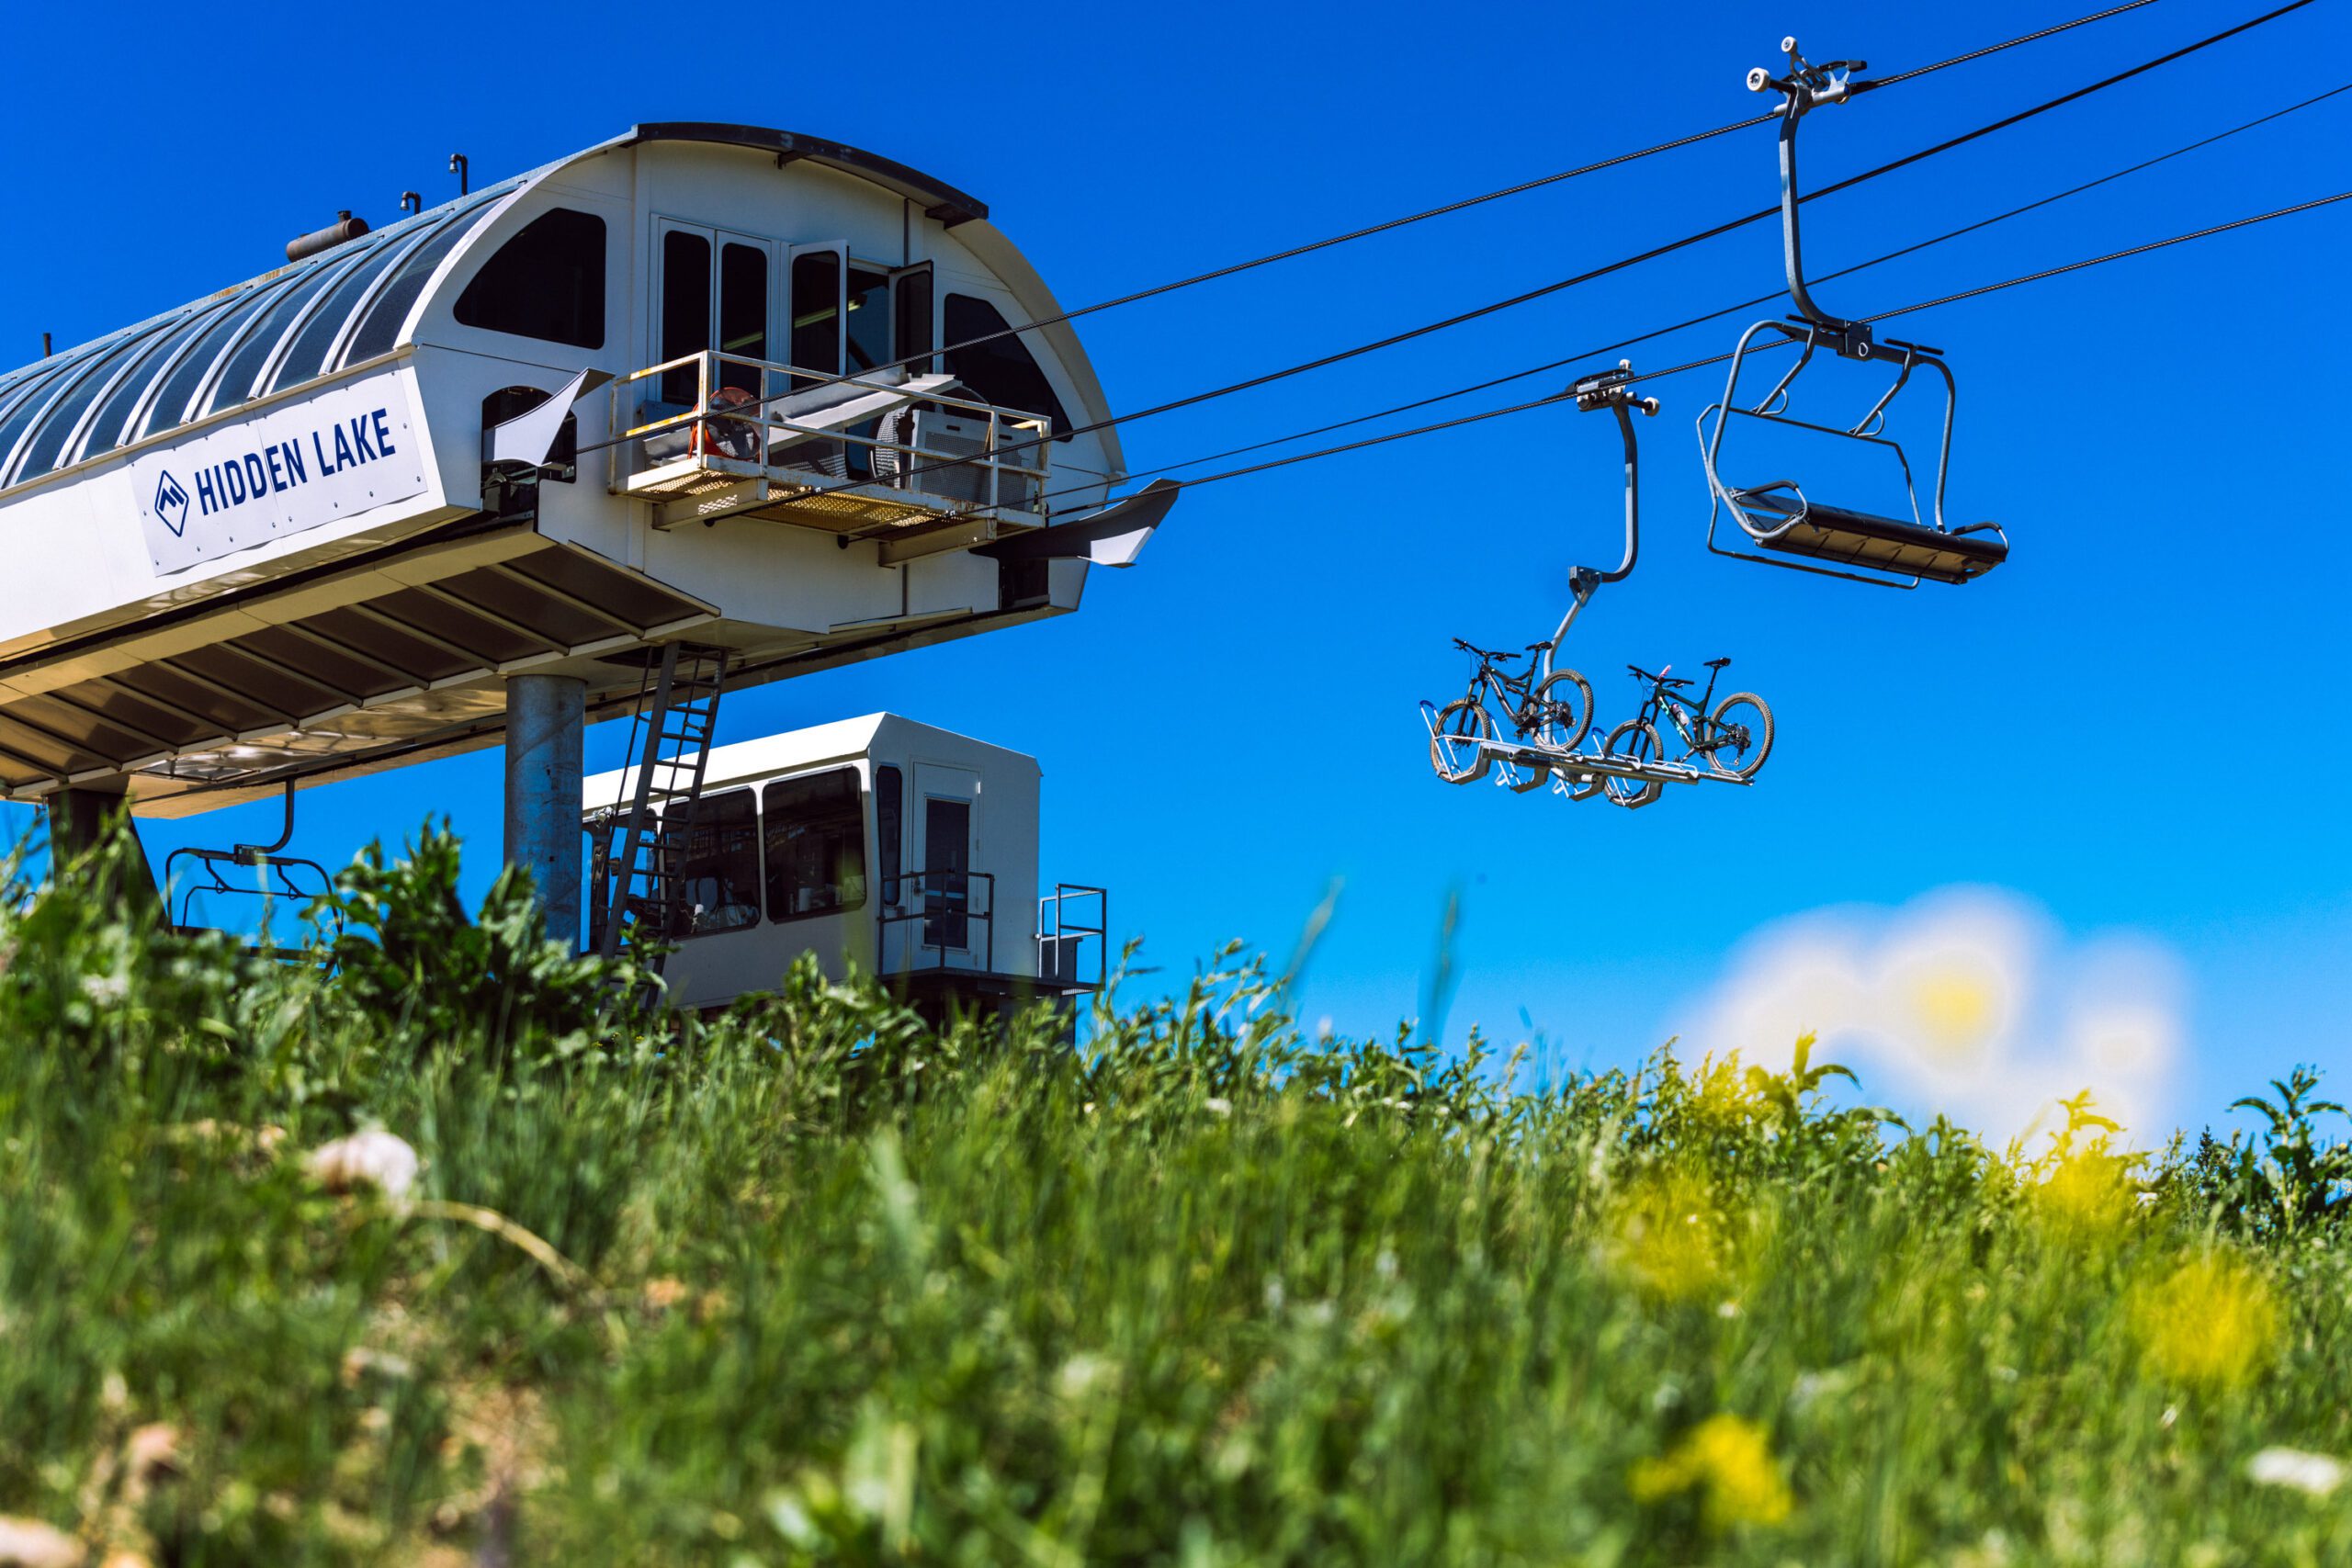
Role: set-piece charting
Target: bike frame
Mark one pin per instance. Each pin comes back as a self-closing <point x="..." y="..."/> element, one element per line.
<point x="1491" y="686"/>
<point x="1664" y="701"/>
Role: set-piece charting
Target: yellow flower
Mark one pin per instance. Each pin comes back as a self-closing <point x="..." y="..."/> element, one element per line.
<point x="1727" y="1458"/>
<point x="2086" y="1189"/>
<point x="1670" y="1235"/>
<point x="2210" y="1322"/>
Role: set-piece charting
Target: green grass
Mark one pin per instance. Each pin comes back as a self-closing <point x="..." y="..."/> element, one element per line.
<point x="813" y="1282"/>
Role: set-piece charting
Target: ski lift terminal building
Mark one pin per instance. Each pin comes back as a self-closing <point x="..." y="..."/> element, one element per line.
<point x="709" y="386"/>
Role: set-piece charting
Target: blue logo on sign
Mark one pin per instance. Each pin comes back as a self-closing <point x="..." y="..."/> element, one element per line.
<point x="171" y="504"/>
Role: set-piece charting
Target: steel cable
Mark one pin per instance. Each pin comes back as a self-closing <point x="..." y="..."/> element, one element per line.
<point x="1648" y="376"/>
<point x="1558" y="286"/>
<point x="1562" y="364"/>
<point x="1520" y="188"/>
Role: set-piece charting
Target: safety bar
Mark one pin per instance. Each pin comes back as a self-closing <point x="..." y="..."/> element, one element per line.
<point x="1808" y="334"/>
<point x="273" y="883"/>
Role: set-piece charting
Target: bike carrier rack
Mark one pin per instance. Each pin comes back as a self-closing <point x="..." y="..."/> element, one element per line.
<point x="1576" y="773"/>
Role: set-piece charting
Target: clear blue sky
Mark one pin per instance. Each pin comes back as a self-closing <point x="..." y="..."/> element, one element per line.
<point x="2132" y="727"/>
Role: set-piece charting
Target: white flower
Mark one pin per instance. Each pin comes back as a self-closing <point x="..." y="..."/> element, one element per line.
<point x="106" y="989"/>
<point x="2313" y="1474"/>
<point x="1219" y="1104"/>
<point x="371" y="1158"/>
<point x="29" y="1544"/>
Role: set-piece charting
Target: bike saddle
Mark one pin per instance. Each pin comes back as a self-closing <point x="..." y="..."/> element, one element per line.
<point x="1717" y="663"/>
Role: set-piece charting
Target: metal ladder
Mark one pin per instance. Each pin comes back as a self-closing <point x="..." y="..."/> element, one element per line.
<point x="642" y="845"/>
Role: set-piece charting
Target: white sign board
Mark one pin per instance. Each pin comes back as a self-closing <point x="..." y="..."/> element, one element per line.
<point x="302" y="465"/>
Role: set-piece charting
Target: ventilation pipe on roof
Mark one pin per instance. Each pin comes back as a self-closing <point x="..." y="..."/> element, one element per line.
<point x="464" y="171"/>
<point x="343" y="229"/>
<point x="412" y="203"/>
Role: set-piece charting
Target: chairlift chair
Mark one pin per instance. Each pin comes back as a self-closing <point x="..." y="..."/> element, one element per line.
<point x="279" y="876"/>
<point x="1803" y="533"/>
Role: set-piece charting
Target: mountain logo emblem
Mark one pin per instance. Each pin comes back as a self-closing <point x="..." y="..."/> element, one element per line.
<point x="171" y="504"/>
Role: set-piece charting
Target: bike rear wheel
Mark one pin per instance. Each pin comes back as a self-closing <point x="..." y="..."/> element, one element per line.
<point x="1454" y="752"/>
<point x="1639" y="743"/>
<point x="1564" y="704"/>
<point x="1741" y="728"/>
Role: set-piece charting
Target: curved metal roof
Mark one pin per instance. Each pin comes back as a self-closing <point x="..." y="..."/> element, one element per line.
<point x="276" y="332"/>
<point x="321" y="315"/>
<point x="939" y="200"/>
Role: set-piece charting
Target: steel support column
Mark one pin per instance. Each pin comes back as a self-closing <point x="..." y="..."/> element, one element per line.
<point x="546" y="716"/>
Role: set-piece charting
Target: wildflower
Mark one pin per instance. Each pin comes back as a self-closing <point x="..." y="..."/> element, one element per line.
<point x="2086" y="1189"/>
<point x="660" y="1295"/>
<point x="30" y="1543"/>
<point x="1727" y="1459"/>
<point x="2315" y="1475"/>
<point x="1219" y="1105"/>
<point x="2210" y="1322"/>
<point x="371" y="1158"/>
<point x="1671" y="1236"/>
<point x="150" y="1455"/>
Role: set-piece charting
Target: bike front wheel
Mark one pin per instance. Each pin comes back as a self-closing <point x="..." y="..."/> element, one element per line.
<point x="1564" y="705"/>
<point x="1454" y="752"/>
<point x="1636" y="742"/>
<point x="1741" y="731"/>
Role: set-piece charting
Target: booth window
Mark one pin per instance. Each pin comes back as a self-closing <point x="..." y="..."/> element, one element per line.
<point x="548" y="282"/>
<point x="816" y="845"/>
<point x="1000" y="370"/>
<point x="719" y="878"/>
<point x="889" y="816"/>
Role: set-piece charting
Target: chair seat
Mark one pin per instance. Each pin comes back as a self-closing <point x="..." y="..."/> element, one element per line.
<point x="1861" y="538"/>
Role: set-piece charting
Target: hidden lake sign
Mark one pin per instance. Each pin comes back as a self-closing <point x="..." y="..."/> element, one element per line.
<point x="299" y="466"/>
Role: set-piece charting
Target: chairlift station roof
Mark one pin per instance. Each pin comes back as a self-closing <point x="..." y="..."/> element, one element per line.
<point x="254" y="537"/>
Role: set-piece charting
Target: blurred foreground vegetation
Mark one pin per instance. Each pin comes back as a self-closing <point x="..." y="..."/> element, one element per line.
<point x="450" y="1260"/>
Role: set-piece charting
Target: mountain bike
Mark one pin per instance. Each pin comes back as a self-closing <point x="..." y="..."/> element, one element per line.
<point x="1554" y="706"/>
<point x="1734" y="736"/>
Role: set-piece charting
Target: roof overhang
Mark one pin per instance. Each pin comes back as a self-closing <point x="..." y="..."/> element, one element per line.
<point x="937" y="199"/>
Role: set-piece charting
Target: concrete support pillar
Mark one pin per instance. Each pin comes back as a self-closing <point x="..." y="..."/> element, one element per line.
<point x="77" y="822"/>
<point x="546" y="716"/>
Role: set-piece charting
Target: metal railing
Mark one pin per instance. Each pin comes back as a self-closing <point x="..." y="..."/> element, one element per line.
<point x="1062" y="937"/>
<point x="754" y="416"/>
<point x="943" y="900"/>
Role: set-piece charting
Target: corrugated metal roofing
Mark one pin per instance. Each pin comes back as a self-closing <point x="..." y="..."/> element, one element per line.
<point x="309" y="320"/>
<point x="297" y="324"/>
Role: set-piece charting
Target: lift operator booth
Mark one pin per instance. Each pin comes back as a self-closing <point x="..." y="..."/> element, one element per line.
<point x="699" y="407"/>
<point x="877" y="844"/>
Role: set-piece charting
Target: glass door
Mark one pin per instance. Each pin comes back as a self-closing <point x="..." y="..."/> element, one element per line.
<point x="714" y="290"/>
<point x="817" y="340"/>
<point x="946" y="831"/>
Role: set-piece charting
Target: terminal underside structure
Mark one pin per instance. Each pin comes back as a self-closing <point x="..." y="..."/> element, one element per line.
<point x="273" y="536"/>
